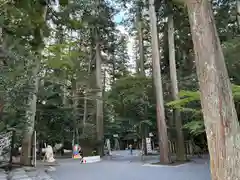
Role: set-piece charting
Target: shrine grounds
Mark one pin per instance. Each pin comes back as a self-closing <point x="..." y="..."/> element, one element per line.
<point x="122" y="165"/>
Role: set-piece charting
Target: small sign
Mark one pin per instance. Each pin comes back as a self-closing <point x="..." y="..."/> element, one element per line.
<point x="150" y="134"/>
<point x="148" y="144"/>
<point x="148" y="140"/>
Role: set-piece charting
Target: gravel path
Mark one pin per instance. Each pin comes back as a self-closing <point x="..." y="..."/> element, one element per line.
<point x="127" y="167"/>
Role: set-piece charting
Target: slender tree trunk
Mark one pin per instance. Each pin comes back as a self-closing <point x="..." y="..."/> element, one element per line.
<point x="99" y="113"/>
<point x="161" y="123"/>
<point x="99" y="94"/>
<point x="219" y="112"/>
<point x="30" y="120"/>
<point x="85" y="114"/>
<point x="1" y="109"/>
<point x="113" y="67"/>
<point x="141" y="67"/>
<point x="64" y="102"/>
<point x="1" y="47"/>
<point x="140" y="42"/>
<point x="238" y="13"/>
<point x="1" y="36"/>
<point x="137" y="63"/>
<point x="1" y="64"/>
<point x="104" y="83"/>
<point x="173" y="74"/>
<point x="32" y="102"/>
<point x="75" y="108"/>
<point x="60" y="36"/>
<point x="3" y="52"/>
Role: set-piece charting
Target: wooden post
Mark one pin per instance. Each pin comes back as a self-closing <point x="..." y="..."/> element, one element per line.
<point x="12" y="148"/>
<point x="34" y="155"/>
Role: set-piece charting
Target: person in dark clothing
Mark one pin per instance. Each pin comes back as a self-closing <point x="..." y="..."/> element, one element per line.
<point x="81" y="154"/>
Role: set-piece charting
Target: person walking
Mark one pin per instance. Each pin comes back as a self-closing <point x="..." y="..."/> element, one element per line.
<point x="131" y="150"/>
<point x="81" y="154"/>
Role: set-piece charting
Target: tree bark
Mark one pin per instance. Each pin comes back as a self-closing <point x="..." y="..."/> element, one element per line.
<point x="31" y="112"/>
<point x="161" y="123"/>
<point x="220" y="118"/>
<point x="65" y="100"/>
<point x="30" y="120"/>
<point x="238" y="13"/>
<point x="99" y="103"/>
<point x="1" y="64"/>
<point x="173" y="75"/>
<point x="104" y="83"/>
<point x="141" y="67"/>
<point x="113" y="66"/>
<point x="75" y="108"/>
<point x="85" y="115"/>
<point x="140" y="42"/>
<point x="1" y="47"/>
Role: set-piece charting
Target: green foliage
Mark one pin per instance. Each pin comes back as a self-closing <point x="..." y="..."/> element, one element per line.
<point x="59" y="56"/>
<point x="65" y="59"/>
<point x="231" y="51"/>
<point x="68" y="38"/>
<point x="185" y="104"/>
<point x="195" y="127"/>
<point x="187" y="97"/>
<point x="131" y="98"/>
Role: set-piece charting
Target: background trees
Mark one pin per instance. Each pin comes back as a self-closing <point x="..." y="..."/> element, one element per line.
<point x="88" y="88"/>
